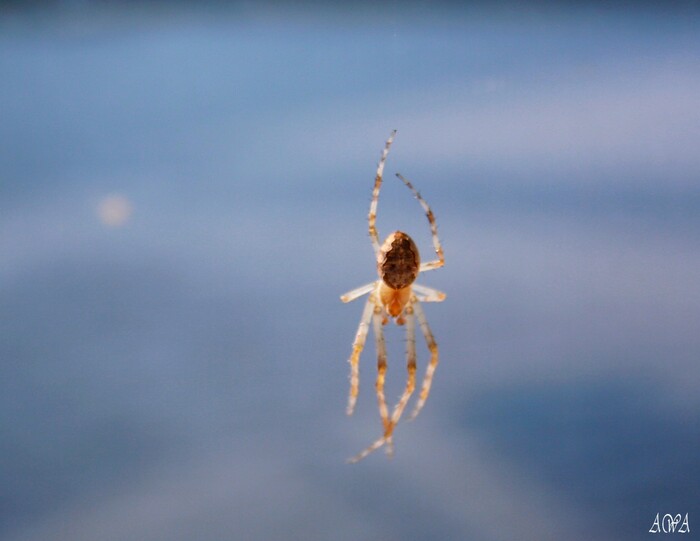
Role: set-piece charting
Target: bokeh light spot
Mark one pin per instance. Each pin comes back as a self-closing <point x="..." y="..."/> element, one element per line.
<point x="114" y="210"/>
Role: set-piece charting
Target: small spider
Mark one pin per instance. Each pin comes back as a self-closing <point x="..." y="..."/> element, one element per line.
<point x="395" y="295"/>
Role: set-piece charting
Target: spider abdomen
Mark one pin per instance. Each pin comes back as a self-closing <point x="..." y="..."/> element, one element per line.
<point x="398" y="261"/>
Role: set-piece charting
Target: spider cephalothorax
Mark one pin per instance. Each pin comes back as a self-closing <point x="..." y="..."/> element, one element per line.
<point x="395" y="295"/>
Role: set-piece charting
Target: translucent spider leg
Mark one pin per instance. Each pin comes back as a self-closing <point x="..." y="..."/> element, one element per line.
<point x="372" y="217"/>
<point x="357" y="347"/>
<point x="357" y="292"/>
<point x="381" y="363"/>
<point x="432" y="346"/>
<point x="428" y="294"/>
<point x="440" y="261"/>
<point x="410" y="366"/>
<point x="410" y="386"/>
<point x="371" y="449"/>
<point x="410" y="323"/>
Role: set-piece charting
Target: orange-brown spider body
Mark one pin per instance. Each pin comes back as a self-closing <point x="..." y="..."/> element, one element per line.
<point x="398" y="264"/>
<point x="395" y="295"/>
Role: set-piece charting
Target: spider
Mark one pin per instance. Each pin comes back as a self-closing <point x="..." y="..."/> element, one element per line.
<point x="395" y="295"/>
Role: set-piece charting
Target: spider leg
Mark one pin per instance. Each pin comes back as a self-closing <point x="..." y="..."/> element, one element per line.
<point x="410" y="386"/>
<point x="432" y="346"/>
<point x="357" y="347"/>
<point x="372" y="218"/>
<point x="376" y="445"/>
<point x="428" y="294"/>
<point x="381" y="364"/>
<point x="440" y="261"/>
<point x="381" y="371"/>
<point x="357" y="292"/>
<point x="410" y="366"/>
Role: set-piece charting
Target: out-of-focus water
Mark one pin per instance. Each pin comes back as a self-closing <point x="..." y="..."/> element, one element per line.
<point x="183" y="196"/>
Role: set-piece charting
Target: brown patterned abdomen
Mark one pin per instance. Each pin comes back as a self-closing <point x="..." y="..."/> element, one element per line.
<point x="398" y="261"/>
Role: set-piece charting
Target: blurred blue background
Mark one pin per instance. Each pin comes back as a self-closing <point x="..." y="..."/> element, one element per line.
<point x="183" y="197"/>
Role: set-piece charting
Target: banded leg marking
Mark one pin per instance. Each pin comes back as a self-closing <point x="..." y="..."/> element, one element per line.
<point x="372" y="218"/>
<point x="432" y="365"/>
<point x="357" y="347"/>
<point x="440" y="261"/>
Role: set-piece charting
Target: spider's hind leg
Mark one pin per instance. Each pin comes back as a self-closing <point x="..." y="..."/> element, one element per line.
<point x="378" y="320"/>
<point x="376" y="445"/>
<point x="432" y="365"/>
<point x="407" y="319"/>
<point x="410" y="365"/>
<point x="390" y="424"/>
<point x="357" y="346"/>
